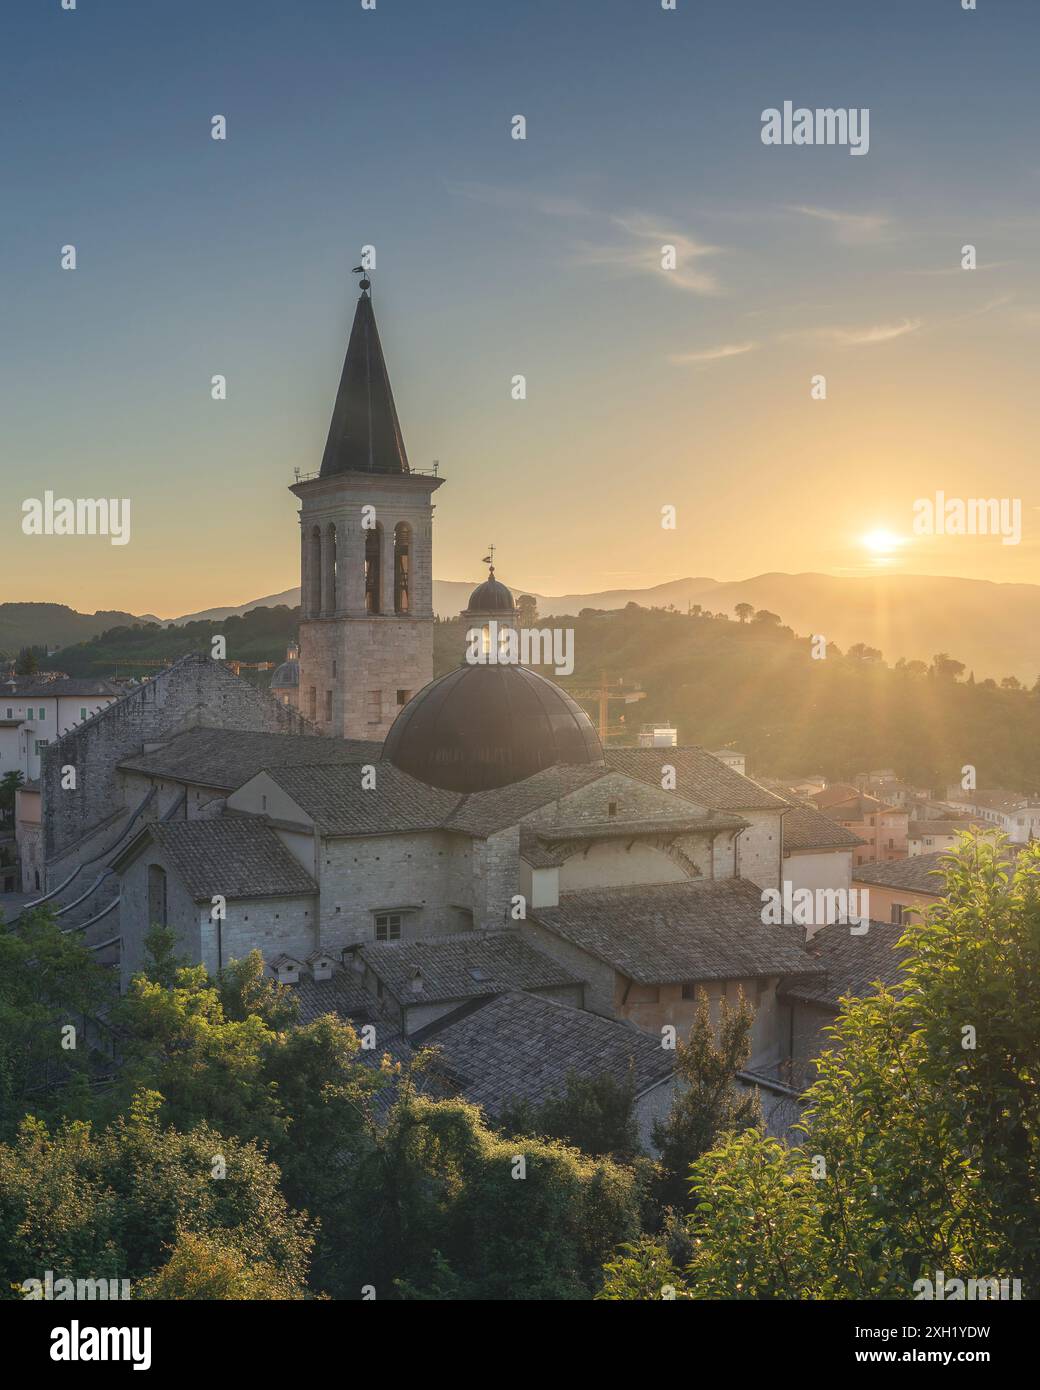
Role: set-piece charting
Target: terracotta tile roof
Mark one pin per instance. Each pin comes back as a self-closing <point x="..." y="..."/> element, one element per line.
<point x="519" y="1046"/>
<point x="699" y="777"/>
<point x="852" y="963"/>
<point x="463" y="965"/>
<point x="237" y="857"/>
<point x="673" y="932"/>
<point x="227" y="758"/>
<point x="920" y="873"/>
<point x="807" y="828"/>
<point x="338" y="803"/>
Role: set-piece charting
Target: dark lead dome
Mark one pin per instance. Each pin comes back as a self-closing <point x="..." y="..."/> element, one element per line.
<point x="286" y="676"/>
<point x="481" y="727"/>
<point x="490" y="597"/>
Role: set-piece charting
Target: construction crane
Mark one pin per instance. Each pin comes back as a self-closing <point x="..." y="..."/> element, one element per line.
<point x="603" y="694"/>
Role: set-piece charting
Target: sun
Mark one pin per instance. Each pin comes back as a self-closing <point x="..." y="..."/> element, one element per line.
<point x="882" y="541"/>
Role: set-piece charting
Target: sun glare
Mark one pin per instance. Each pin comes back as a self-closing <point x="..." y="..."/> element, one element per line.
<point x="882" y="542"/>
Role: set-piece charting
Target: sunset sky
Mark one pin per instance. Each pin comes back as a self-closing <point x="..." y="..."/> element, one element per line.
<point x="646" y="387"/>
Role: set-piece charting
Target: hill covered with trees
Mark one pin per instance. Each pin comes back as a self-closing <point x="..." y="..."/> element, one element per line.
<point x="745" y="680"/>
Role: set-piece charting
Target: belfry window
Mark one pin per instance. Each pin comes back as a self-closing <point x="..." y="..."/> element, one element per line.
<point x="312" y="574"/>
<point x="330" y="598"/>
<point x="373" y="558"/>
<point x="402" y="566"/>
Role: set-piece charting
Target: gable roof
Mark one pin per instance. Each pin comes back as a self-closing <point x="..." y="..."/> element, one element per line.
<point x="482" y="813"/>
<point x="699" y="777"/>
<point x="338" y="803"/>
<point x="519" y="1046"/>
<point x="236" y="857"/>
<point x="921" y="873"/>
<point x="806" y="828"/>
<point x="852" y="962"/>
<point x="674" y="932"/>
<point x="228" y="758"/>
<point x="463" y="965"/>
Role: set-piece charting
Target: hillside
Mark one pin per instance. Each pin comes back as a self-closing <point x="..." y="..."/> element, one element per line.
<point x="54" y="625"/>
<point x="990" y="626"/>
<point x="757" y="688"/>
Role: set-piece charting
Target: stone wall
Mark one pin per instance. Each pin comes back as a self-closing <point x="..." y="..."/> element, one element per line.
<point x="194" y="691"/>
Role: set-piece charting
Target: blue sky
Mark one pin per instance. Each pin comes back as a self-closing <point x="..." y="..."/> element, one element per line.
<point x="498" y="257"/>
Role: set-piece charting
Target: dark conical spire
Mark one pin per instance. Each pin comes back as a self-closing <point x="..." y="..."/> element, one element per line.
<point x="365" y="434"/>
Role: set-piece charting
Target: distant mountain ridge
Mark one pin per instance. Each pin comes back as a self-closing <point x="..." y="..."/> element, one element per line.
<point x="990" y="627"/>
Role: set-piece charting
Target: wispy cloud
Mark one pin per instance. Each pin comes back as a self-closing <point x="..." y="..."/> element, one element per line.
<point x="630" y="243"/>
<point x="873" y="333"/>
<point x="638" y="249"/>
<point x="853" y="228"/>
<point x="682" y="359"/>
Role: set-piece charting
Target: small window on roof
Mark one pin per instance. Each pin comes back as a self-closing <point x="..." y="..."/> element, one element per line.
<point x="479" y="974"/>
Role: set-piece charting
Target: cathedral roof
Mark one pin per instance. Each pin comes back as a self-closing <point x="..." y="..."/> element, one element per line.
<point x="482" y="726"/>
<point x="365" y="433"/>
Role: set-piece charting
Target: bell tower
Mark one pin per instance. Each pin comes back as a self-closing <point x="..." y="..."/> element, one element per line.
<point x="366" y="556"/>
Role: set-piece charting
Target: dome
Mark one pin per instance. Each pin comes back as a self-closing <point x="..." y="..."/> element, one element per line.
<point x="490" y="597"/>
<point x="481" y="727"/>
<point x="286" y="676"/>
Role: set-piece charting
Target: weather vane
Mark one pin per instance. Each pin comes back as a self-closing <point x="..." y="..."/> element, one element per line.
<point x="364" y="283"/>
<point x="489" y="558"/>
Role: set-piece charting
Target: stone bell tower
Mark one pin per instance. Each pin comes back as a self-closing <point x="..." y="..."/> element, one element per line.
<point x="366" y="566"/>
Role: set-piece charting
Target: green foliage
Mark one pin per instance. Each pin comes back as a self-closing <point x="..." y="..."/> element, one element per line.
<point x="593" y="1114"/>
<point x="922" y="1136"/>
<point x="440" y="1210"/>
<point x="47" y="982"/>
<point x="213" y="1267"/>
<point x="111" y="1203"/>
<point x="707" y="1103"/>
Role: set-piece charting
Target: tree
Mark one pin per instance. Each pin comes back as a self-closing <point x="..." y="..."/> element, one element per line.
<point x="766" y="619"/>
<point x="527" y="605"/>
<point x="707" y="1102"/>
<point x="594" y="1114"/>
<point x="449" y="1209"/>
<point x="744" y="611"/>
<point x="945" y="667"/>
<point x="212" y="1266"/>
<point x="110" y="1203"/>
<point x="27" y="662"/>
<point x="921" y="1144"/>
<point x="48" y="982"/>
<point x="1011" y="683"/>
<point x="859" y="651"/>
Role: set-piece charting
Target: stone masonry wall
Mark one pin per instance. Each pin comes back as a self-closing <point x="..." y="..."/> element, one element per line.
<point x="194" y="691"/>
